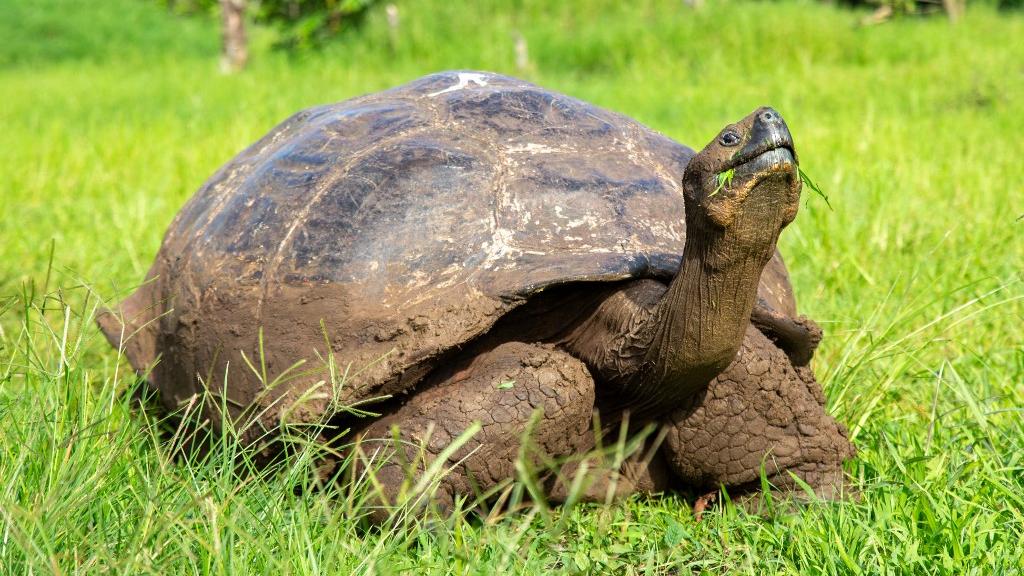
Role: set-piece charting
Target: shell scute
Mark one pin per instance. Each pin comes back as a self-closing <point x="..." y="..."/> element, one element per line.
<point x="406" y="209"/>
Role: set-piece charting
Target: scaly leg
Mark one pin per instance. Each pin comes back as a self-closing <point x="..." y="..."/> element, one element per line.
<point x="501" y="389"/>
<point x="762" y="411"/>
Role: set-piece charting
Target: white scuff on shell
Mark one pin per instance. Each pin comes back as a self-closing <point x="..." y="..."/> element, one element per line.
<point x="465" y="78"/>
<point x="499" y="247"/>
<point x="532" y="148"/>
<point x="588" y="220"/>
<point x="664" y="230"/>
<point x="450" y="276"/>
<point x="418" y="279"/>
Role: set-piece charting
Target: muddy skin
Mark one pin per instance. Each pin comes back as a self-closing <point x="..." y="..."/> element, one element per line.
<point x="502" y="390"/>
<point x="761" y="412"/>
<point x="453" y="230"/>
<point x="764" y="412"/>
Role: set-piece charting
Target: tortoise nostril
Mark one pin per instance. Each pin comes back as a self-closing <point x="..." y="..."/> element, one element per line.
<point x="768" y="116"/>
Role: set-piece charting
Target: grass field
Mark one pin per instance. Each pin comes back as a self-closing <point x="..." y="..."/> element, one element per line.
<point x="113" y="114"/>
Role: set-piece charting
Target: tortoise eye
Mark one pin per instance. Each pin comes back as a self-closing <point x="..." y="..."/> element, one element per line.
<point x="729" y="138"/>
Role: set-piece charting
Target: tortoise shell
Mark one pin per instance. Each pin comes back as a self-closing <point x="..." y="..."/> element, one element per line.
<point x="384" y="231"/>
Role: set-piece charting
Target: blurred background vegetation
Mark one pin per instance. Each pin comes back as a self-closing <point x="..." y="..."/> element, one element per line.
<point x="114" y="112"/>
<point x="51" y="29"/>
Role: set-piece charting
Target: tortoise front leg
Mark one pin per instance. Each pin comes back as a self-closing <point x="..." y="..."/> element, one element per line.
<point x="501" y="389"/>
<point x="762" y="411"/>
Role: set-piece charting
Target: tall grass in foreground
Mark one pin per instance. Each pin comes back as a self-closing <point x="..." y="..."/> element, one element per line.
<point x="90" y="485"/>
<point x="911" y="129"/>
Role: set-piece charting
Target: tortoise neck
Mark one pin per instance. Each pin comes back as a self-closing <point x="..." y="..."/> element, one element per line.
<point x="698" y="326"/>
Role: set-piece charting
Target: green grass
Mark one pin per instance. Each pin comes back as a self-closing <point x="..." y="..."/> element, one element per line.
<point x="114" y="114"/>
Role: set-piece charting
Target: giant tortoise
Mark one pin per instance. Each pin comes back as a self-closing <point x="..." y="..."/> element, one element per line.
<point x="479" y="249"/>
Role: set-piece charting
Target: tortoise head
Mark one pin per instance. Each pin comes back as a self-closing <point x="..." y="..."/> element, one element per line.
<point x="747" y="176"/>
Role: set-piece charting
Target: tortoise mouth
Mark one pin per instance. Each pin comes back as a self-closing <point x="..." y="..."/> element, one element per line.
<point x="762" y="162"/>
<point x="746" y="175"/>
<point x="782" y="157"/>
<point x="768" y="149"/>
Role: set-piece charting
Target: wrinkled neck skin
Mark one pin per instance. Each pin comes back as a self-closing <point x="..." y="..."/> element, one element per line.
<point x="697" y="327"/>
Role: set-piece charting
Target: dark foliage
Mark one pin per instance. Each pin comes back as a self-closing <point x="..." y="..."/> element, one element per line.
<point x="923" y="6"/>
<point x="302" y="23"/>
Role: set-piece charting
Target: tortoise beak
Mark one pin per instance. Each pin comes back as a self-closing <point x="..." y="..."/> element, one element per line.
<point x="768" y="132"/>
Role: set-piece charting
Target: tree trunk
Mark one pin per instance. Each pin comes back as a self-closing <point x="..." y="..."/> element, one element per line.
<point x="392" y="13"/>
<point x="954" y="9"/>
<point x="234" y="50"/>
<point x="522" y="53"/>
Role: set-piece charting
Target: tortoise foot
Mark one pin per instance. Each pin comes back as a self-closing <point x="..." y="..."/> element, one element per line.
<point x="516" y="392"/>
<point x="761" y="415"/>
